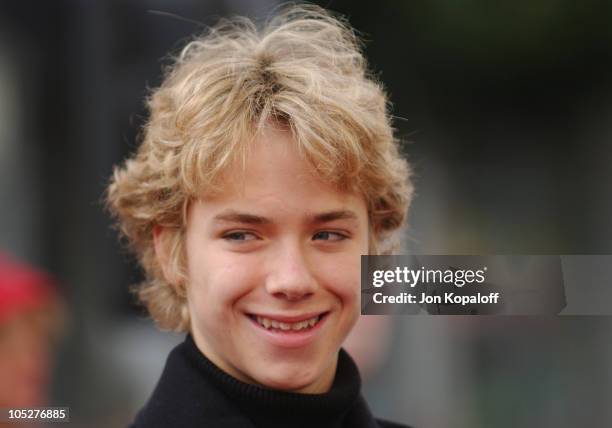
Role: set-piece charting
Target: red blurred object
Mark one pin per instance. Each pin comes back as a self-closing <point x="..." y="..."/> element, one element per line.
<point x="22" y="287"/>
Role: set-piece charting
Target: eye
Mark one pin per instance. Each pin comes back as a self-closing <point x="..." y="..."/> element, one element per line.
<point x="239" y="236"/>
<point x="326" y="235"/>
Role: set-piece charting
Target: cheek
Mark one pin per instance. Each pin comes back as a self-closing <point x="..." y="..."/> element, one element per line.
<point x="341" y="276"/>
<point x="219" y="280"/>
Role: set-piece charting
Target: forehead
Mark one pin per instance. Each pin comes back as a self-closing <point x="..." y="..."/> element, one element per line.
<point x="276" y="176"/>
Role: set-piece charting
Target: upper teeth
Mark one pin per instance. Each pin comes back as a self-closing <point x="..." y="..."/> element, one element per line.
<point x="267" y="323"/>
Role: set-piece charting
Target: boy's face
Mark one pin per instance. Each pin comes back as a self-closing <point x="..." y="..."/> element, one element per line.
<point x="277" y="251"/>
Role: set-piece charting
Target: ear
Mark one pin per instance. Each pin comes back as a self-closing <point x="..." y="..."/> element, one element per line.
<point x="162" y="244"/>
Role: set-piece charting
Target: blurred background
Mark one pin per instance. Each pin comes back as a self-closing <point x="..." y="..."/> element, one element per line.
<point x="505" y="110"/>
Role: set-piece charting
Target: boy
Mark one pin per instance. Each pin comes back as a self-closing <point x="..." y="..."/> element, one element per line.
<point x="268" y="166"/>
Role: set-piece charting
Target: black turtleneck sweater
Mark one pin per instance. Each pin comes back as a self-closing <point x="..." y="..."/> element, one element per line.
<point x="193" y="392"/>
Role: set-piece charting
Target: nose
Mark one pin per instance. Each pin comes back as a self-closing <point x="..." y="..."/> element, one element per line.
<point x="290" y="275"/>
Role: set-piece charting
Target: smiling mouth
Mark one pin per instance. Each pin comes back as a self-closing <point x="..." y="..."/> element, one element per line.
<point x="276" y="325"/>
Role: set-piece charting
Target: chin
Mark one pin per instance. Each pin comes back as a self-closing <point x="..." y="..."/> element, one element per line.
<point x="291" y="379"/>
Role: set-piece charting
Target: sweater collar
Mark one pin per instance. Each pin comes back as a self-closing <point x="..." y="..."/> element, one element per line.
<point x="272" y="408"/>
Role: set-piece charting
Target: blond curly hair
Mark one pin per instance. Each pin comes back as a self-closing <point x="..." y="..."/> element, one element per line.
<point x="304" y="70"/>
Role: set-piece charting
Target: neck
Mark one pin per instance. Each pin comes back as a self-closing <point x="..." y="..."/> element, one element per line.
<point x="328" y="400"/>
<point x="320" y="385"/>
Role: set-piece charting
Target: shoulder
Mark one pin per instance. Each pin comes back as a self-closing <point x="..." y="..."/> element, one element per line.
<point x="183" y="398"/>
<point x="387" y="424"/>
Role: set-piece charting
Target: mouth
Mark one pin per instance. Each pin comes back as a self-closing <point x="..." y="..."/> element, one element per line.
<point x="288" y="324"/>
<point x="289" y="331"/>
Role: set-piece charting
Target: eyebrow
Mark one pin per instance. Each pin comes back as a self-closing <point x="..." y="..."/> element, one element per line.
<point x="334" y="215"/>
<point x="238" y="217"/>
<point x="246" y="218"/>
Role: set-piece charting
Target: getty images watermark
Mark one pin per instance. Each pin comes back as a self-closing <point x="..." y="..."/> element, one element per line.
<point x="413" y="277"/>
<point x="481" y="285"/>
